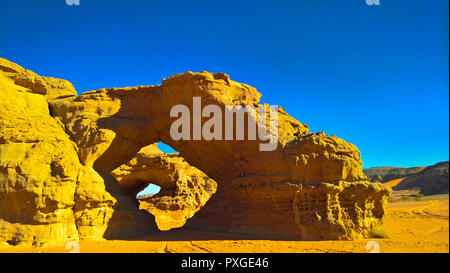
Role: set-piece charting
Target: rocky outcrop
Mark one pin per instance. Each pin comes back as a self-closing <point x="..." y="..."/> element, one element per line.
<point x="184" y="189"/>
<point x="46" y="194"/>
<point x="62" y="166"/>
<point x="339" y="208"/>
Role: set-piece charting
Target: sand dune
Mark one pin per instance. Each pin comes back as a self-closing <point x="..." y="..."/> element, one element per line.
<point x="394" y="182"/>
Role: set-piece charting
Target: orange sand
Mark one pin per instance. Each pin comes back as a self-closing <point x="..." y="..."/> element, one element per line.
<point x="414" y="226"/>
<point x="394" y="182"/>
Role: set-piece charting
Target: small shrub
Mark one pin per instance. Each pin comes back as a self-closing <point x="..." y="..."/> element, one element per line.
<point x="418" y="196"/>
<point x="406" y="198"/>
<point x="379" y="231"/>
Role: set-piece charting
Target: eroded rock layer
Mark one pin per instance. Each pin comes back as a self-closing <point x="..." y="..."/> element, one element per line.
<point x="46" y="194"/>
<point x="59" y="153"/>
<point x="184" y="189"/>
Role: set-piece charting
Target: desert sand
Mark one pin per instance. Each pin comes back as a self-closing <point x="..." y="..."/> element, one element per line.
<point x="413" y="226"/>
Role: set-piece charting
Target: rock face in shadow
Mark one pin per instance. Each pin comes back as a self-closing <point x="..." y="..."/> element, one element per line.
<point x="311" y="186"/>
<point x="184" y="189"/>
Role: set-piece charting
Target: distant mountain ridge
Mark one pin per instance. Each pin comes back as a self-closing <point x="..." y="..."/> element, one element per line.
<point x="386" y="174"/>
<point x="430" y="180"/>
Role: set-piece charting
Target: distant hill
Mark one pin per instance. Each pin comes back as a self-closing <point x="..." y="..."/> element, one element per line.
<point x="144" y="196"/>
<point x="385" y="174"/>
<point x="430" y="180"/>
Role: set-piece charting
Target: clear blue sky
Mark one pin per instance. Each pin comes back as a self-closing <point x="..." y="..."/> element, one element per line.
<point x="376" y="76"/>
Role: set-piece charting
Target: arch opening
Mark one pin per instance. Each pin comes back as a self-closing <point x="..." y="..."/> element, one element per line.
<point x="149" y="191"/>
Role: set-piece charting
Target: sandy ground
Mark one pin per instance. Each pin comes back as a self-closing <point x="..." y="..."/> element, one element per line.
<point x="413" y="226"/>
<point x="394" y="182"/>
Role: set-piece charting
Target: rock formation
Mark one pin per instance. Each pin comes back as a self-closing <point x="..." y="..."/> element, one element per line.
<point x="46" y="194"/>
<point x="184" y="189"/>
<point x="61" y="157"/>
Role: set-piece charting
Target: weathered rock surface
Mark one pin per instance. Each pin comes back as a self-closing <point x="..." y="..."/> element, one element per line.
<point x="312" y="186"/>
<point x="46" y="195"/>
<point x="184" y="189"/>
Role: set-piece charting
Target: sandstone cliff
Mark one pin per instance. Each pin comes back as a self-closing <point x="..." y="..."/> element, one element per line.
<point x="70" y="166"/>
<point x="46" y="194"/>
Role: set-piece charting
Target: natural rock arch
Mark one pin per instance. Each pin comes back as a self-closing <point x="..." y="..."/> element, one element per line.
<point x="256" y="190"/>
<point x="58" y="169"/>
